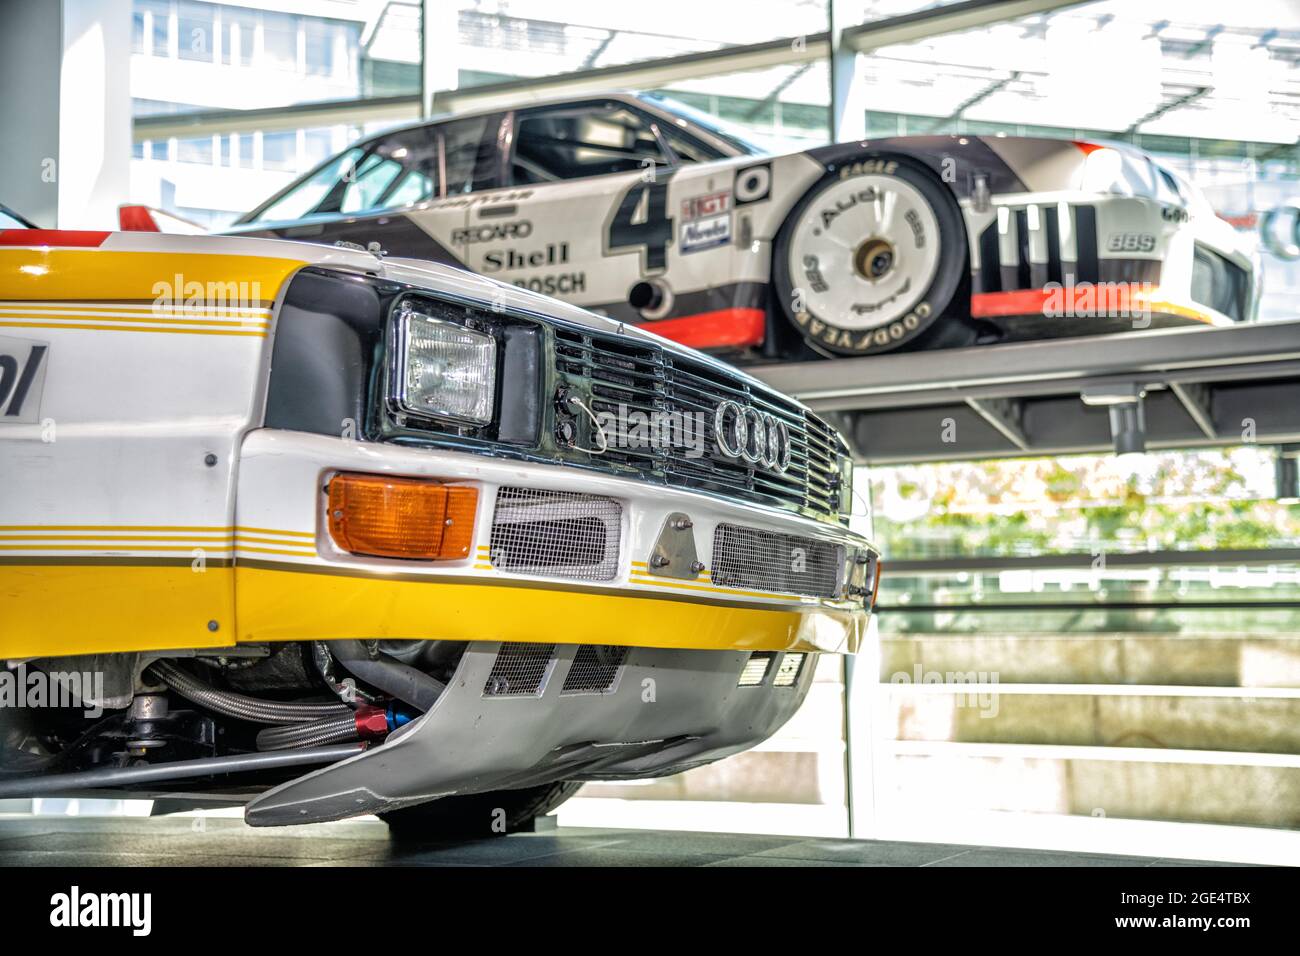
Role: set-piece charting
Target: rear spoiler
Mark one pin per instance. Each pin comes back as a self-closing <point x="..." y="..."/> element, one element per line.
<point x="135" y="218"/>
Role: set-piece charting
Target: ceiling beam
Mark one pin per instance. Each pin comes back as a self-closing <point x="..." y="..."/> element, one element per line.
<point x="950" y="18"/>
<point x="651" y="74"/>
<point x="391" y="109"/>
<point x="1169" y="106"/>
<point x="648" y="74"/>
<point x="980" y="97"/>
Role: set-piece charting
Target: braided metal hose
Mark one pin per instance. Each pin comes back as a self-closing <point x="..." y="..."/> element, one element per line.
<point x="332" y="730"/>
<point x="241" y="707"/>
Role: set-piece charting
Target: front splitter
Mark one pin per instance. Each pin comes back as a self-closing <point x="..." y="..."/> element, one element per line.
<point x="668" y="711"/>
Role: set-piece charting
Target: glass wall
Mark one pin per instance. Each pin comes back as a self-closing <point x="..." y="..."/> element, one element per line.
<point x="1086" y="636"/>
<point x="195" y="59"/>
<point x="1213" y="90"/>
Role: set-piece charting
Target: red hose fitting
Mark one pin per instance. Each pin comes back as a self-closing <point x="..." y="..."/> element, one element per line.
<point x="372" y="723"/>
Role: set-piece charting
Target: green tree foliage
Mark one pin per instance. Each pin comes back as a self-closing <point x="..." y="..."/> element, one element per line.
<point x="1216" y="499"/>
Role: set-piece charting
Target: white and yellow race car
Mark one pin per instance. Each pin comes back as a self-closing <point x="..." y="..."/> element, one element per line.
<point x="329" y="534"/>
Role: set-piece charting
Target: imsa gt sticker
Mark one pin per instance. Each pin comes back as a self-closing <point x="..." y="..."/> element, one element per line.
<point x="706" y="222"/>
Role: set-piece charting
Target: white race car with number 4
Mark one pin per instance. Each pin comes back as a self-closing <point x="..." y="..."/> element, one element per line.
<point x="651" y="213"/>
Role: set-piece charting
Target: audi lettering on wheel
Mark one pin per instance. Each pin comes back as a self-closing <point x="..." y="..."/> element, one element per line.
<point x="757" y="437"/>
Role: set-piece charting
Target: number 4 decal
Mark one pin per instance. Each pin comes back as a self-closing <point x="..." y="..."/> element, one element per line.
<point x="641" y="222"/>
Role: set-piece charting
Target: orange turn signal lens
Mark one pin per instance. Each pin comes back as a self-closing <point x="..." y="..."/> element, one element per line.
<point x="401" y="517"/>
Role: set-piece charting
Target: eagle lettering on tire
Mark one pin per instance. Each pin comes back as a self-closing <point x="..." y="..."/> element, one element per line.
<point x="871" y="257"/>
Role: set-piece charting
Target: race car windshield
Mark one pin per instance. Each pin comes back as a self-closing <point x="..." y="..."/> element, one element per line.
<point x="729" y="134"/>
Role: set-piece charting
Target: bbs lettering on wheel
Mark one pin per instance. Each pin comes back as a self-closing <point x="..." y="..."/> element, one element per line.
<point x="871" y="260"/>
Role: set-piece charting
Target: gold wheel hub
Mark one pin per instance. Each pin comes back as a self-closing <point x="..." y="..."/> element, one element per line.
<point x="874" y="259"/>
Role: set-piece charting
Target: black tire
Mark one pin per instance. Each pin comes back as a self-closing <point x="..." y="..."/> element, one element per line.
<point x="477" y="815"/>
<point x="937" y="318"/>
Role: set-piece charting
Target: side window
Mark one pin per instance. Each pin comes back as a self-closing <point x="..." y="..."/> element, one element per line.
<point x="572" y="142"/>
<point x="373" y="176"/>
<point x="399" y="170"/>
<point x="406" y="167"/>
<point x="469" y="146"/>
<point x="304" y="198"/>
<point x="412" y="187"/>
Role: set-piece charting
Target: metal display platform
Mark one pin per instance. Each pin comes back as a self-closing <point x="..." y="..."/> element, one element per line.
<point x="134" y="841"/>
<point x="1196" y="387"/>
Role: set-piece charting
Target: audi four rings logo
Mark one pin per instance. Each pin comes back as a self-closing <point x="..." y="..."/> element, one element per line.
<point x="755" y="436"/>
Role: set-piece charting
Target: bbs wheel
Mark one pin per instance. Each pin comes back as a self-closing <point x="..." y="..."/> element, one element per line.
<point x="477" y="815"/>
<point x="871" y="259"/>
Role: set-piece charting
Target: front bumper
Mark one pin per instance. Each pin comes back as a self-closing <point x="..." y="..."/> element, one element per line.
<point x="292" y="583"/>
<point x="274" y="574"/>
<point x="667" y="711"/>
<point x="1062" y="263"/>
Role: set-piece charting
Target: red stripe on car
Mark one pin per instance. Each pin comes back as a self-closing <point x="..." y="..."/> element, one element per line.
<point x="723" y="328"/>
<point x="1021" y="302"/>
<point x="52" y="237"/>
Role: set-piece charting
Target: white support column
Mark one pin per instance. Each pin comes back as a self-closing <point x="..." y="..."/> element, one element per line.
<point x="848" y="115"/>
<point x="94" y="113"/>
<point x="64" y="64"/>
<point x="440" y="61"/>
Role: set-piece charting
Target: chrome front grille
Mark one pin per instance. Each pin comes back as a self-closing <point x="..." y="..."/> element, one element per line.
<point x="625" y="375"/>
<point x="561" y="534"/>
<point x="520" y="670"/>
<point x="760" y="560"/>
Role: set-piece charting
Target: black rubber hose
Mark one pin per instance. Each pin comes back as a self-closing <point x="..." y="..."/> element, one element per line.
<point x="319" y="733"/>
<point x="241" y="707"/>
<point x="394" y="678"/>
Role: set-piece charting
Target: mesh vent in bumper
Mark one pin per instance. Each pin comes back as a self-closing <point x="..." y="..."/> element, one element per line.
<point x="760" y="560"/>
<point x="561" y="534"/>
<point x="520" y="670"/>
<point x="594" y="669"/>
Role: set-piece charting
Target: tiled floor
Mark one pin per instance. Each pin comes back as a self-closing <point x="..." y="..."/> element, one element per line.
<point x="180" y="841"/>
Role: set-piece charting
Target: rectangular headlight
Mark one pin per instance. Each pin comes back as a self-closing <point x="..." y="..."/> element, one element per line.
<point x="443" y="369"/>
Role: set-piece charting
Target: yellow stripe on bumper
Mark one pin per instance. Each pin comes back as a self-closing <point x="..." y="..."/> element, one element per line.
<point x="64" y="606"/>
<point x="60" y="606"/>
<point x="282" y="604"/>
